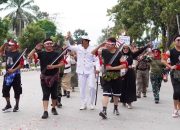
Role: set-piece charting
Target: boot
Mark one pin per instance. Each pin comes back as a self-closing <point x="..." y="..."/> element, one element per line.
<point x="65" y="93"/>
<point x="116" y="111"/>
<point x="59" y="105"/>
<point x="68" y="94"/>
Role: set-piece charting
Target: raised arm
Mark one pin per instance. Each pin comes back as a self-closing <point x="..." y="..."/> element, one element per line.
<point x="98" y="49"/>
<point x="137" y="53"/>
<point x="2" y="48"/>
<point x="36" y="49"/>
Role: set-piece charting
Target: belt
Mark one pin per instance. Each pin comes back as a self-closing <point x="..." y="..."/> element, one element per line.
<point x="67" y="67"/>
<point x="142" y="69"/>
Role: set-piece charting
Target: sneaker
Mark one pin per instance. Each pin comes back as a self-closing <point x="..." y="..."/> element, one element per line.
<point x="129" y="106"/>
<point x="54" y="112"/>
<point x="59" y="105"/>
<point x="7" y="108"/>
<point x="175" y="114"/>
<point x="45" y="115"/>
<point x="15" y="109"/>
<point x="103" y="114"/>
<point x="91" y="107"/>
<point x="144" y="95"/>
<point x="116" y="111"/>
<point x="156" y="101"/>
<point x="83" y="107"/>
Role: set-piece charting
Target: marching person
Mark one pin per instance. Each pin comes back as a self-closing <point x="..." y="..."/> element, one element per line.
<point x="49" y="73"/>
<point x="129" y="79"/>
<point x="12" y="76"/>
<point x="142" y="74"/>
<point x="156" y="73"/>
<point x="174" y="55"/>
<point x="112" y="81"/>
<point x="85" y="71"/>
<point x="66" y="79"/>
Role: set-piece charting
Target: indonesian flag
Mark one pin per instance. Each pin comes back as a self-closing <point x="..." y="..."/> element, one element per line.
<point x="118" y="43"/>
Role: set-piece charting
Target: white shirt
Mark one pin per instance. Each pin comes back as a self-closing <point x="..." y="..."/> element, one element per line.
<point x="69" y="61"/>
<point x="85" y="59"/>
<point x="67" y="68"/>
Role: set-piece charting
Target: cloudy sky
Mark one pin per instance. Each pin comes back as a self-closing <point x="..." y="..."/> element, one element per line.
<point x="70" y="15"/>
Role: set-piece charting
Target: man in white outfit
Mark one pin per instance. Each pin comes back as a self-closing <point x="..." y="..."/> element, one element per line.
<point x="85" y="71"/>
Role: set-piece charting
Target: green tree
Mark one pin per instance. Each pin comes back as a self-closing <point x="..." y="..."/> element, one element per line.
<point x="128" y="16"/>
<point x="21" y="14"/>
<point x="58" y="39"/>
<point x="78" y="34"/>
<point x="151" y="16"/>
<point x="48" y="26"/>
<point x="107" y="32"/>
<point x="31" y="35"/>
<point x="3" y="1"/>
<point x="4" y="27"/>
<point x="163" y="14"/>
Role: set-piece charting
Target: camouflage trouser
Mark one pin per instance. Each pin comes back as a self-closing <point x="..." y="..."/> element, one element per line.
<point x="156" y="81"/>
<point x="142" y="81"/>
<point x="59" y="93"/>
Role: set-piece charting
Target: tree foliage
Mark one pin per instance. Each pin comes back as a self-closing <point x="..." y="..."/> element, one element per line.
<point x="48" y="26"/>
<point x="31" y="35"/>
<point x="79" y="33"/>
<point x="107" y="32"/>
<point x="22" y="13"/>
<point x="4" y="28"/>
<point x="58" y="39"/>
<point x="151" y="16"/>
<point x="3" y="1"/>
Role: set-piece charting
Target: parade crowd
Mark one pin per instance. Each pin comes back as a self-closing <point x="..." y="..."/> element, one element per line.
<point x="124" y="71"/>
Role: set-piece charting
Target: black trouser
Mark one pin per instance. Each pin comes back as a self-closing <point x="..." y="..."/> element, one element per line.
<point x="47" y="91"/>
<point x="16" y="84"/>
<point x="176" y="87"/>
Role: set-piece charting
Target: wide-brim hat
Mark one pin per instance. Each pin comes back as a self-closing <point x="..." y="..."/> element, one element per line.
<point x="85" y="38"/>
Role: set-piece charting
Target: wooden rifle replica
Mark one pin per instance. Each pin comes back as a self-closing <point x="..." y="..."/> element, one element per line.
<point x="22" y="54"/>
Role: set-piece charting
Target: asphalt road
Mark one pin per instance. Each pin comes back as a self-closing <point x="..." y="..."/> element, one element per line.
<point x="145" y="115"/>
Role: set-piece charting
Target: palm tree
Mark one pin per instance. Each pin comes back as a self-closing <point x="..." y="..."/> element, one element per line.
<point x="21" y="13"/>
<point x="3" y="1"/>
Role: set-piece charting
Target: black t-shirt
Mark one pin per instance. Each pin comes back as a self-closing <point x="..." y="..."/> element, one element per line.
<point x="11" y="58"/>
<point x="174" y="56"/>
<point x="46" y="58"/>
<point x="106" y="55"/>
